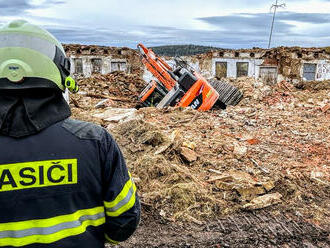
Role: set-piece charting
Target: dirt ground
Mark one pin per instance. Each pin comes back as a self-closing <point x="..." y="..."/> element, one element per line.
<point x="249" y="229"/>
<point x="254" y="175"/>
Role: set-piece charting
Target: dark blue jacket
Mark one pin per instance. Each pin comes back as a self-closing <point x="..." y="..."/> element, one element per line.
<point x="64" y="186"/>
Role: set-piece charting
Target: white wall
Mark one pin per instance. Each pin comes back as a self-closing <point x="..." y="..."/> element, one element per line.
<point x="322" y="69"/>
<point x="232" y="69"/>
<point x="87" y="64"/>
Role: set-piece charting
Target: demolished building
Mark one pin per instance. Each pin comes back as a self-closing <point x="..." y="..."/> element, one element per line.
<point x="87" y="60"/>
<point x="259" y="167"/>
<point x="293" y="64"/>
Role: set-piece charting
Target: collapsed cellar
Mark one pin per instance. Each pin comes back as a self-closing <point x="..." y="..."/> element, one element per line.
<point x="271" y="151"/>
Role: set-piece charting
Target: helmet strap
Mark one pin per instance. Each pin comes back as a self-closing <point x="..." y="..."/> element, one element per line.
<point x="64" y="66"/>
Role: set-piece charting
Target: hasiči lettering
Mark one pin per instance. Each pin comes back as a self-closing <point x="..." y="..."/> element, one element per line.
<point x="38" y="174"/>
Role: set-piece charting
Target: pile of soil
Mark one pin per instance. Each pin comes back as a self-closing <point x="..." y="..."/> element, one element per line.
<point x="196" y="166"/>
<point x="270" y="153"/>
<point x="117" y="89"/>
<point x="116" y="84"/>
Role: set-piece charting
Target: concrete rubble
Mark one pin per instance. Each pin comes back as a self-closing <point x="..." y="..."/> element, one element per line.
<point x="188" y="154"/>
<point x="264" y="201"/>
<point x="271" y="151"/>
<point x="117" y="114"/>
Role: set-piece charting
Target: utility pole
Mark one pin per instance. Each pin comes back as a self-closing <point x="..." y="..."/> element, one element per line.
<point x="275" y="6"/>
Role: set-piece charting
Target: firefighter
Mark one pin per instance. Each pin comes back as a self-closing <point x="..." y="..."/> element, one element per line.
<point x="63" y="182"/>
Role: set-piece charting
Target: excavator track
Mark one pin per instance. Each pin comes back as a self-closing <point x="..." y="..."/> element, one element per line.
<point x="228" y="94"/>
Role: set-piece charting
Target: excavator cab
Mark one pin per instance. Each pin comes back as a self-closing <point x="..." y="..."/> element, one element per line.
<point x="189" y="91"/>
<point x="152" y="94"/>
<point x="181" y="86"/>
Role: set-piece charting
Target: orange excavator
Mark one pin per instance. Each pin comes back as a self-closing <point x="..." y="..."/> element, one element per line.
<point x="182" y="86"/>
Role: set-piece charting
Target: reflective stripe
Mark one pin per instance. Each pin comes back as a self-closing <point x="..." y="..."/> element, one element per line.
<point x="50" y="230"/>
<point x="111" y="241"/>
<point x="26" y="41"/>
<point x="124" y="200"/>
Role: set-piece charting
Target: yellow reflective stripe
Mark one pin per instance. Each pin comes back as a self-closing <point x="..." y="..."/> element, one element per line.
<point x="111" y="241"/>
<point x="123" y="201"/>
<point x="125" y="207"/>
<point x="120" y="196"/>
<point x="84" y="218"/>
<point x="47" y="239"/>
<point x="13" y="226"/>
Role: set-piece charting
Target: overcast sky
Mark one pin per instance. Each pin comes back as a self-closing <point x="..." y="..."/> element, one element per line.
<point x="220" y="23"/>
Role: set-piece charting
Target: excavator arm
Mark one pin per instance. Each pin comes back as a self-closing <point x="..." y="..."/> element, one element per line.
<point x="158" y="67"/>
<point x="182" y="86"/>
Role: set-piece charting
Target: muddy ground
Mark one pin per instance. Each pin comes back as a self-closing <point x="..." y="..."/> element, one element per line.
<point x="247" y="229"/>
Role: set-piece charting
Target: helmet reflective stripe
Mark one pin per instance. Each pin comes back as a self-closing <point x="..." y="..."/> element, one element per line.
<point x="28" y="51"/>
<point x="17" y="63"/>
<point x="35" y="43"/>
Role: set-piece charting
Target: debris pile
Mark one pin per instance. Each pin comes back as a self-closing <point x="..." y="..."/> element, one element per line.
<point x="192" y="166"/>
<point x="116" y="84"/>
<point x="116" y="89"/>
<point x="314" y="85"/>
<point x="271" y="151"/>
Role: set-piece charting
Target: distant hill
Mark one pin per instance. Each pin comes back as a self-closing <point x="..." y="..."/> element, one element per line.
<point x="181" y="50"/>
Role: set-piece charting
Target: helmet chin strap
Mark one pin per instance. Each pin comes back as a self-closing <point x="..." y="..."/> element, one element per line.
<point x="64" y="65"/>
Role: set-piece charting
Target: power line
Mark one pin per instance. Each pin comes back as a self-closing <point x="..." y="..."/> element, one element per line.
<point x="275" y="6"/>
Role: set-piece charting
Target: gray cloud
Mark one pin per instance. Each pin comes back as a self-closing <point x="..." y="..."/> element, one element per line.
<point x="255" y="22"/>
<point x="93" y="36"/>
<point x="13" y="7"/>
<point x="241" y="30"/>
<point x="237" y="31"/>
<point x="18" y="7"/>
<point x="255" y="27"/>
<point x="315" y="18"/>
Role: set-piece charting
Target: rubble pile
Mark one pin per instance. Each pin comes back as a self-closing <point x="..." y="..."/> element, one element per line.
<point x="271" y="151"/>
<point x="116" y="89"/>
<point x="314" y="85"/>
<point x="117" y="84"/>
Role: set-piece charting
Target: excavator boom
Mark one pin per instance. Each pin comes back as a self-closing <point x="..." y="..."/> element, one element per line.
<point x="182" y="86"/>
<point x="158" y="67"/>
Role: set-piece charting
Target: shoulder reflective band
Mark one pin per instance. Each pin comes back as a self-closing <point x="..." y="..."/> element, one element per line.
<point x="110" y="240"/>
<point x="124" y="201"/>
<point x="46" y="231"/>
<point x="38" y="174"/>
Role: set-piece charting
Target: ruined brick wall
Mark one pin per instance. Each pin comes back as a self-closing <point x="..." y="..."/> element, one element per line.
<point x="287" y="63"/>
<point x="107" y="54"/>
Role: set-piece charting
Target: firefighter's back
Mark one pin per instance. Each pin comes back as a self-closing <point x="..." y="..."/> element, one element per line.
<point x="51" y="187"/>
